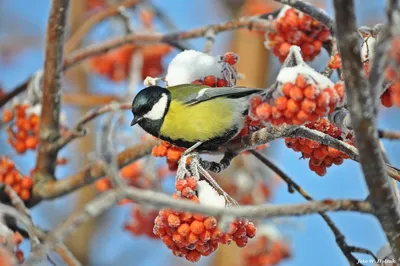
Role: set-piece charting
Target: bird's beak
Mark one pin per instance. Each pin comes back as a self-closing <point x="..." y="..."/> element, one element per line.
<point x="136" y="120"/>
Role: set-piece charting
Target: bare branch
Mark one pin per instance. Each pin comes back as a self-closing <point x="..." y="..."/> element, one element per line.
<point x="363" y="119"/>
<point x="53" y="189"/>
<point x="390" y="135"/>
<point x="50" y="115"/>
<point x="151" y="38"/>
<point x="292" y="185"/>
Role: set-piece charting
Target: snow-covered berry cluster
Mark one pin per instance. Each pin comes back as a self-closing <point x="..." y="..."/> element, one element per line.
<point x="335" y="61"/>
<point x="192" y="66"/>
<point x="141" y="222"/>
<point x="293" y="27"/>
<point x="302" y="95"/>
<point x="10" y="175"/>
<point x="193" y="235"/>
<point x="23" y="132"/>
<point x="320" y="156"/>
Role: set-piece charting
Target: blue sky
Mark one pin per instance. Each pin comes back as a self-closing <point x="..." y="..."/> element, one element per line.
<point x="312" y="242"/>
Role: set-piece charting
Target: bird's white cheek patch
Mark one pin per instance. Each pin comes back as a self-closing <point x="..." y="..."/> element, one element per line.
<point x="158" y="110"/>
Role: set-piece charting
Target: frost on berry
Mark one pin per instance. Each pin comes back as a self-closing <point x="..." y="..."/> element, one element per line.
<point x="301" y="95"/>
<point x="267" y="248"/>
<point x="9" y="175"/>
<point x="192" y="66"/>
<point x="320" y="156"/>
<point x="293" y="27"/>
<point x="192" y="235"/>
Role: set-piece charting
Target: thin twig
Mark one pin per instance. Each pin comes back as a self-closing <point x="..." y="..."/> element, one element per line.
<point x="361" y="107"/>
<point x="292" y="185"/>
<point x="78" y="130"/>
<point x="386" y="134"/>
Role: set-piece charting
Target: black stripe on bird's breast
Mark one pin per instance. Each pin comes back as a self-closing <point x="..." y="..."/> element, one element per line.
<point x="209" y="145"/>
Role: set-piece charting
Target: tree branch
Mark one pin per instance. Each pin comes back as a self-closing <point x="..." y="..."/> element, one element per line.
<point x="50" y="115"/>
<point x="151" y="38"/>
<point x="363" y="119"/>
<point x="292" y="185"/>
<point x="57" y="188"/>
<point x="79" y="131"/>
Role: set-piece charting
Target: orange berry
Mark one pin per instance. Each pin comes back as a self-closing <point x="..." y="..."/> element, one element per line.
<point x="296" y="94"/>
<point x="242" y="241"/>
<point x="173" y="220"/>
<point x="231" y="58"/>
<point x="192" y="238"/>
<point x="199" y="217"/>
<point x="286" y="88"/>
<point x="7" y="116"/>
<point x="319" y="154"/>
<point x="308" y="106"/>
<point x="222" y="83"/>
<point x="251" y="230"/>
<point x="284" y="49"/>
<point x="174" y="154"/>
<point x="293" y="106"/>
<point x="31" y="142"/>
<point x="27" y="183"/>
<point x="300" y="81"/>
<point x="332" y="152"/>
<point x="302" y="116"/>
<point x="193" y="256"/>
<point x="263" y="111"/>
<point x="20" y="147"/>
<point x="102" y="185"/>
<point x="9" y="179"/>
<point x="191" y="182"/>
<point x="25" y="195"/>
<point x="338" y="160"/>
<point x="177" y="238"/>
<point x="323" y="99"/>
<point x="205" y="236"/>
<point x="281" y="103"/>
<point x="183" y="229"/>
<point x="275" y="112"/>
<point x="320" y="170"/>
<point x="288" y="114"/>
<point x="210" y="223"/>
<point x="167" y="240"/>
<point x="328" y="161"/>
<point x="310" y="92"/>
<point x="210" y="81"/>
<point x="197" y="227"/>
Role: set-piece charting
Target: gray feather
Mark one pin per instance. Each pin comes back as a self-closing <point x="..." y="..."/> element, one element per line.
<point x="212" y="93"/>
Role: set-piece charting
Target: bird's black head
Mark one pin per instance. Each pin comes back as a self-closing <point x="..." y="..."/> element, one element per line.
<point x="151" y="103"/>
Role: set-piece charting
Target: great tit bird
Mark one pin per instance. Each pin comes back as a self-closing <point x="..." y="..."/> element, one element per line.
<point x="190" y="114"/>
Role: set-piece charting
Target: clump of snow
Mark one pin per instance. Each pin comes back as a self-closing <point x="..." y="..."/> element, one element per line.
<point x="208" y="195"/>
<point x="270" y="231"/>
<point x="283" y="11"/>
<point x="289" y="74"/>
<point x="190" y="65"/>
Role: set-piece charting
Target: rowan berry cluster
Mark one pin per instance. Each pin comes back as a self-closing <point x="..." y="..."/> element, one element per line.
<point x="172" y="153"/>
<point x="298" y="102"/>
<point x="192" y="235"/>
<point x="141" y="222"/>
<point x="10" y="175"/>
<point x="320" y="156"/>
<point x="116" y="65"/>
<point x="392" y="73"/>
<point x="18" y="253"/>
<point x="211" y="81"/>
<point x="132" y="174"/>
<point x="264" y="251"/>
<point x="293" y="27"/>
<point x="23" y="133"/>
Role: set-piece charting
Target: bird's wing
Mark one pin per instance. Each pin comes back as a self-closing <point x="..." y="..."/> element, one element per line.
<point x="206" y="94"/>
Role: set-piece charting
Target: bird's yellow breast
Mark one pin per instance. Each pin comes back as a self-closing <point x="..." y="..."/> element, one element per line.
<point x="199" y="122"/>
